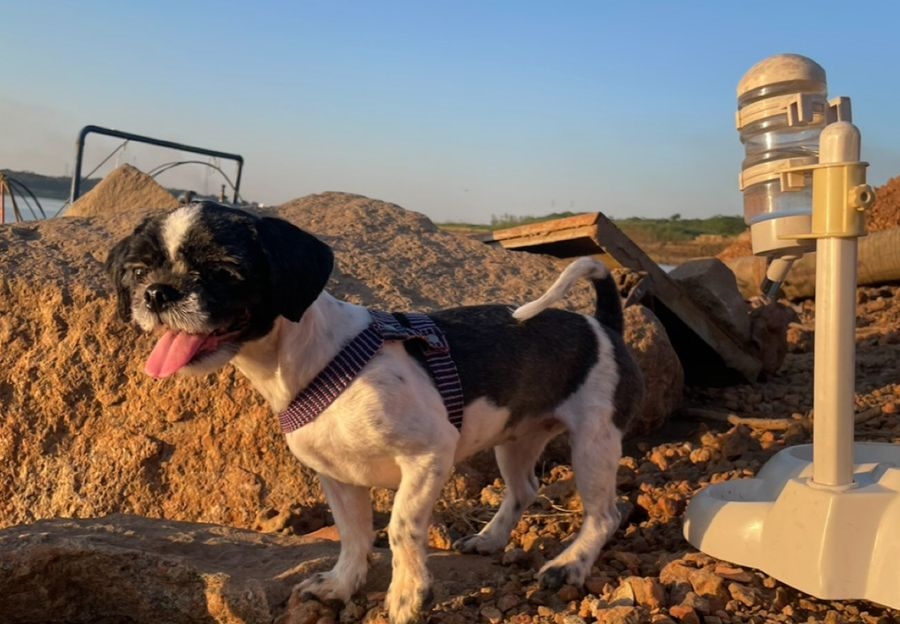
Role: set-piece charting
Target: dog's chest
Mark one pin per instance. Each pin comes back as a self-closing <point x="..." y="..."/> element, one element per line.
<point x="390" y="409"/>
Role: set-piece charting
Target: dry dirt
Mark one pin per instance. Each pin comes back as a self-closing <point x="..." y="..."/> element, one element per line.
<point x="84" y="434"/>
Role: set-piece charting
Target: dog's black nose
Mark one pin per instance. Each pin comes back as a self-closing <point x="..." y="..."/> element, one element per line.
<point x="158" y="297"/>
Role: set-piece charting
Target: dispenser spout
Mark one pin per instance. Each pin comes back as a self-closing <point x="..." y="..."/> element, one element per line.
<point x="776" y="273"/>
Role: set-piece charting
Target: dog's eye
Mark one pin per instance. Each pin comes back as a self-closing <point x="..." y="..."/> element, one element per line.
<point x="138" y="272"/>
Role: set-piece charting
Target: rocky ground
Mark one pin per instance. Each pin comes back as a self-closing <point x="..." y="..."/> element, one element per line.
<point x="84" y="436"/>
<point x="648" y="572"/>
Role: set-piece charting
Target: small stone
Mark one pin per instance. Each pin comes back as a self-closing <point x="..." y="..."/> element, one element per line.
<point x="302" y="612"/>
<point x="618" y="615"/>
<point x="701" y="604"/>
<point x="678" y="592"/>
<point x="352" y="612"/>
<point x="832" y="617"/>
<point x="630" y="560"/>
<point x="623" y="596"/>
<point x="675" y="572"/>
<point x="439" y="537"/>
<point x="517" y="557"/>
<point x="376" y="616"/>
<point x="700" y="456"/>
<point x="492" y="496"/>
<point x="492" y="615"/>
<point x="781" y="599"/>
<point x="567" y="593"/>
<point x="738" y="575"/>
<point x="507" y="602"/>
<point x="809" y="605"/>
<point x="595" y="584"/>
<point x="744" y="594"/>
<point x="646" y="591"/>
<point x="685" y="614"/>
<point x="658" y="458"/>
<point x="706" y="582"/>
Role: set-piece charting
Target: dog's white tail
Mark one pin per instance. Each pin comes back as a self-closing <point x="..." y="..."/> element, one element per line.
<point x="585" y="267"/>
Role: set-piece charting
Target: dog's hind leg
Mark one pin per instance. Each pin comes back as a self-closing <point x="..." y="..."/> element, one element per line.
<point x="423" y="477"/>
<point x="351" y="507"/>
<point x="596" y="449"/>
<point x="516" y="461"/>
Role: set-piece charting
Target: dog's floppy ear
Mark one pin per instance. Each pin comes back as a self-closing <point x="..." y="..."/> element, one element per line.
<point x="300" y="265"/>
<point x="114" y="268"/>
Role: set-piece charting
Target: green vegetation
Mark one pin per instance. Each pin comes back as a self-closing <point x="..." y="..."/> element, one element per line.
<point x="498" y="222"/>
<point x="675" y="229"/>
<point x="671" y="230"/>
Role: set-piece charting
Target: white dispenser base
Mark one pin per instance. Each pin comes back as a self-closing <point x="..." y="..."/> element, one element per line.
<point x="832" y="543"/>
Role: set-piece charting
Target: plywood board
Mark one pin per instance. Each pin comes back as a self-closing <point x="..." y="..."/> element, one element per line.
<point x="595" y="234"/>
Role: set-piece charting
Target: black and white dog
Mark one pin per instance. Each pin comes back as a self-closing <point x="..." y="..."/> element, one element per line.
<point x="221" y="285"/>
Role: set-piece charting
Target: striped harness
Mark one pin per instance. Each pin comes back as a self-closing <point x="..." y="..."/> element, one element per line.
<point x="346" y="365"/>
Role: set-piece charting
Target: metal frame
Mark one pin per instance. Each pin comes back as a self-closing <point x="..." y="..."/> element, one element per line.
<point x="79" y="153"/>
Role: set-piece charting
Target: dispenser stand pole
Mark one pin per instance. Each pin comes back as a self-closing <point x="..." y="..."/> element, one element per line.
<point x="835" y="362"/>
<point x="836" y="225"/>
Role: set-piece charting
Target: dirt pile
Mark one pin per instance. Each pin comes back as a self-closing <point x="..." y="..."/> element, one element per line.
<point x="86" y="433"/>
<point x="125" y="190"/>
<point x="885" y="213"/>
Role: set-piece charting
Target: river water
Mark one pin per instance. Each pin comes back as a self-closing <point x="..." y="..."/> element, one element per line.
<point x="30" y="210"/>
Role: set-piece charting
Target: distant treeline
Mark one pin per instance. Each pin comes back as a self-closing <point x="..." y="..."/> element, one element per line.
<point x="672" y="229"/>
<point x="675" y="229"/>
<point x="59" y="187"/>
<point x="51" y="187"/>
<point x="498" y="222"/>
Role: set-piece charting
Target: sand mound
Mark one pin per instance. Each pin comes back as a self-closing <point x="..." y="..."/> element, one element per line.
<point x="124" y="190"/>
<point x="398" y="259"/>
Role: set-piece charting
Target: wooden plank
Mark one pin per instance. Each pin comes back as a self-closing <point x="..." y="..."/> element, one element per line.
<point x="594" y="233"/>
<point x="544" y="228"/>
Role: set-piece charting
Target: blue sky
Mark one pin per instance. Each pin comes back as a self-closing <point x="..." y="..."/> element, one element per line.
<point x="460" y="110"/>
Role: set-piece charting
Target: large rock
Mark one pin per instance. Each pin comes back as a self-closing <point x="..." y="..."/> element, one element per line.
<point x="713" y="287"/>
<point x="85" y="433"/>
<point x="130" y="569"/>
<point x="663" y="373"/>
<point x="760" y="324"/>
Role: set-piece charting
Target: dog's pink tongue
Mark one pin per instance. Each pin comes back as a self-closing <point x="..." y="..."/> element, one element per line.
<point x="173" y="350"/>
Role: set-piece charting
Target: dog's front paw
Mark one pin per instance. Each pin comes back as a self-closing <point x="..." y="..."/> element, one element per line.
<point x="555" y="575"/>
<point x="477" y="544"/>
<point x="406" y="600"/>
<point x="327" y="587"/>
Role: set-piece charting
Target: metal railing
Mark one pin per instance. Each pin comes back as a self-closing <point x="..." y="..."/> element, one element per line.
<point x="128" y="136"/>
